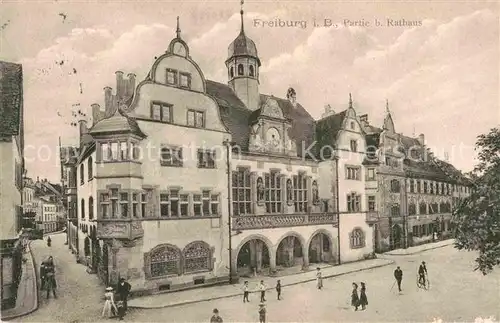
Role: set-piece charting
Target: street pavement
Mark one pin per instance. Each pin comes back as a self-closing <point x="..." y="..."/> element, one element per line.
<point x="457" y="293"/>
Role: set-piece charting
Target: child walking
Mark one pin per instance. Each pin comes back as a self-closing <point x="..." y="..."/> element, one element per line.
<point x="262" y="313"/>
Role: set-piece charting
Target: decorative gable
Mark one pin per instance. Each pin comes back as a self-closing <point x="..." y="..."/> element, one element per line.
<point x="271" y="109"/>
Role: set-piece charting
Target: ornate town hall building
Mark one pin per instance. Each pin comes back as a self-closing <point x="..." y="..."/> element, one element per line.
<point x="184" y="181"/>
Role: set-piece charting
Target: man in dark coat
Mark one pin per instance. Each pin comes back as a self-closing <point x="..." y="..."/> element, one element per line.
<point x="422" y="271"/>
<point x="123" y="289"/>
<point x="398" y="274"/>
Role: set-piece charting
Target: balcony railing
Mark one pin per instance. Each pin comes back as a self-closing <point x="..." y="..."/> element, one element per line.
<point x="247" y="222"/>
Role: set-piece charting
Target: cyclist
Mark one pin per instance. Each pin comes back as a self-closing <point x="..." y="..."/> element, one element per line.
<point x="422" y="271"/>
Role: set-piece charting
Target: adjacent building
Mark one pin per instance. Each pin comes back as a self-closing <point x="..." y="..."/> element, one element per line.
<point x="183" y="181"/>
<point x="11" y="178"/>
<point x="409" y="190"/>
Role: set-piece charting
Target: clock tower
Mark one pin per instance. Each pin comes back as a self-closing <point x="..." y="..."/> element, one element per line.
<point x="243" y="65"/>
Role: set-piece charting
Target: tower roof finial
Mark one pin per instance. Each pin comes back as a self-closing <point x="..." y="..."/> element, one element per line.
<point x="387" y="106"/>
<point x="178" y="31"/>
<point x="350" y="100"/>
<point x="241" y="13"/>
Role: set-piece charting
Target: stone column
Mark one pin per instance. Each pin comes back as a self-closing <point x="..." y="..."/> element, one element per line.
<point x="305" y="257"/>
<point x="258" y="249"/>
<point x="289" y="249"/>
<point x="253" y="253"/>
<point x="272" y="259"/>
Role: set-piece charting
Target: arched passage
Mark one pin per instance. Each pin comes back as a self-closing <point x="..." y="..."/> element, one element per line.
<point x="253" y="257"/>
<point x="396" y="234"/>
<point x="291" y="251"/>
<point x="321" y="247"/>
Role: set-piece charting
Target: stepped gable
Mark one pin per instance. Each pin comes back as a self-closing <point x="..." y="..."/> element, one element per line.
<point x="327" y="130"/>
<point x="237" y="117"/>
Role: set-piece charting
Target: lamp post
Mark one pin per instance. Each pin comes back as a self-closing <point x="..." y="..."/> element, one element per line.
<point x="228" y="145"/>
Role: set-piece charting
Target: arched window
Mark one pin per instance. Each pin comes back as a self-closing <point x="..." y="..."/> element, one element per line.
<point x="164" y="260"/>
<point x="197" y="257"/>
<point x="82" y="179"/>
<point x="82" y="208"/>
<point x="423" y="208"/>
<point x="412" y="186"/>
<point x="357" y="238"/>
<point x="412" y="209"/>
<point x="91" y="208"/>
<point x="90" y="168"/>
<point x="240" y="69"/>
<point x="395" y="186"/>
<point x="252" y="72"/>
<point x="231" y="72"/>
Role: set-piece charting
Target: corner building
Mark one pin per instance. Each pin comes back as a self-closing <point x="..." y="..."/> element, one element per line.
<point x="186" y="181"/>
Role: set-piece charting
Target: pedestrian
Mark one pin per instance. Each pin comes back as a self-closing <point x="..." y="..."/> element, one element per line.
<point x="278" y="289"/>
<point x="216" y="317"/>
<point x="120" y="308"/>
<point x="245" y="292"/>
<point x="262" y="289"/>
<point x="50" y="282"/>
<point x="354" y="296"/>
<point x="109" y="303"/>
<point x="363" y="300"/>
<point x="262" y="313"/>
<point x="49" y="241"/>
<point x="123" y="290"/>
<point x="42" y="275"/>
<point x="398" y="274"/>
<point x="319" y="278"/>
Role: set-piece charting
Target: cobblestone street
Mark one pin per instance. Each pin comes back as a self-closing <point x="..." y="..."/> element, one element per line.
<point x="457" y="294"/>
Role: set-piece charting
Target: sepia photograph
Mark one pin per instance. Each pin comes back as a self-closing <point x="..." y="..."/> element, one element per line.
<point x="250" y="161"/>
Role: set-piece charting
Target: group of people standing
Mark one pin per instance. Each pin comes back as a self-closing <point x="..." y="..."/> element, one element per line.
<point x="115" y="303"/>
<point x="47" y="276"/>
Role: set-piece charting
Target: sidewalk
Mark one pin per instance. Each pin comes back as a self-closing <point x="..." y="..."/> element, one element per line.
<point x="225" y="291"/>
<point x="27" y="292"/>
<point x="421" y="248"/>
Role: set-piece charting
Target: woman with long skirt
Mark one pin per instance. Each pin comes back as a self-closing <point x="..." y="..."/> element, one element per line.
<point x="319" y="279"/>
<point x="109" y="304"/>
<point x="363" y="300"/>
<point x="354" y="296"/>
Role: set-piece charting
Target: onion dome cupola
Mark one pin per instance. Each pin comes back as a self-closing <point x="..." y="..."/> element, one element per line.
<point x="243" y="68"/>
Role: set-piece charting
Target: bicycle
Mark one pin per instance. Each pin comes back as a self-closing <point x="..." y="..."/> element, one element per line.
<point x="423" y="282"/>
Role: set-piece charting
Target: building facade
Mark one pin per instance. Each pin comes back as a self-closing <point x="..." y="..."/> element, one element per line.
<point x="183" y="181"/>
<point x="68" y="160"/>
<point x="11" y="178"/>
<point x="410" y="190"/>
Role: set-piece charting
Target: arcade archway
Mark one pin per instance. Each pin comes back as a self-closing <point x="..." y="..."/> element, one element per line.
<point x="289" y="252"/>
<point x="253" y="258"/>
<point x="321" y="249"/>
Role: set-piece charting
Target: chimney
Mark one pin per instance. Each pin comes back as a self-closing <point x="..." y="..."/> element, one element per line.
<point x="328" y="111"/>
<point x="38" y="178"/>
<point x="108" y="100"/>
<point x="364" y="119"/>
<point x="421" y="139"/>
<point x="83" y="127"/>
<point x="97" y="114"/>
<point x="291" y="95"/>
<point x="130" y="85"/>
<point x="120" y="88"/>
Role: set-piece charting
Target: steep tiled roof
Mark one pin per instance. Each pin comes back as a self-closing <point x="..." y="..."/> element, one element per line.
<point x="425" y="169"/>
<point x="237" y="117"/>
<point x="452" y="172"/>
<point x="328" y="128"/>
<point x="118" y="123"/>
<point x="11" y="98"/>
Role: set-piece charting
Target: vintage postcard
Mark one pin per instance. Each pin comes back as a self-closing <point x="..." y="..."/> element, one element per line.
<point x="249" y="161"/>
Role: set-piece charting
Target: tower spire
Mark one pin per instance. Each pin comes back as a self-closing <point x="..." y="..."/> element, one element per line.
<point x="178" y="30"/>
<point x="387" y="106"/>
<point x="241" y="13"/>
<point x="350" y="100"/>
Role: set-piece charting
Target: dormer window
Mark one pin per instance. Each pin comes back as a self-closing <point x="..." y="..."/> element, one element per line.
<point x="354" y="145"/>
<point x="240" y="69"/>
<point x="352" y="125"/>
<point x="252" y="72"/>
<point x="185" y="80"/>
<point x="171" y="76"/>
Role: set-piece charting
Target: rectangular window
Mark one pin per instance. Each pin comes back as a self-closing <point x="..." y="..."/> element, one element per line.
<point x="272" y="184"/>
<point x="135" y="205"/>
<point x="300" y="193"/>
<point x="114" y="202"/>
<point x="174" y="203"/>
<point x="242" y="200"/>
<point x="395" y="210"/>
<point x="105" y="151"/>
<point x="123" y="150"/>
<point x="371" y="203"/>
<point x="195" y="118"/>
<point x="353" y="173"/>
<point x="114" y="151"/>
<point x="206" y="203"/>
<point x="425" y="187"/>
<point x="431" y="186"/>
<point x="197" y="205"/>
<point x="206" y="158"/>
<point x="124" y="204"/>
<point x="371" y="174"/>
<point x="164" y="205"/>
<point x="171" y="156"/>
<point x="214" y="204"/>
<point x="161" y="112"/>
<point x="184" y="204"/>
<point x="353" y="202"/>
<point x="185" y="80"/>
<point x="171" y="76"/>
<point x="419" y="188"/>
<point x="412" y="186"/>
<point x="354" y="145"/>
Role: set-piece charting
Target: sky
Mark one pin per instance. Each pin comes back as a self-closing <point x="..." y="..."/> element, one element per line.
<point x="439" y="75"/>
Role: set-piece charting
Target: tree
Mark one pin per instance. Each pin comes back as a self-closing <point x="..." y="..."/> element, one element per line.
<point x="477" y="218"/>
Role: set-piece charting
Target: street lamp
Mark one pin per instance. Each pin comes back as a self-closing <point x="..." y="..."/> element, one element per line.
<point x="228" y="145"/>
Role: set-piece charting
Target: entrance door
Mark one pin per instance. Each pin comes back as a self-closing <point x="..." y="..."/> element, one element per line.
<point x="396" y="236"/>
